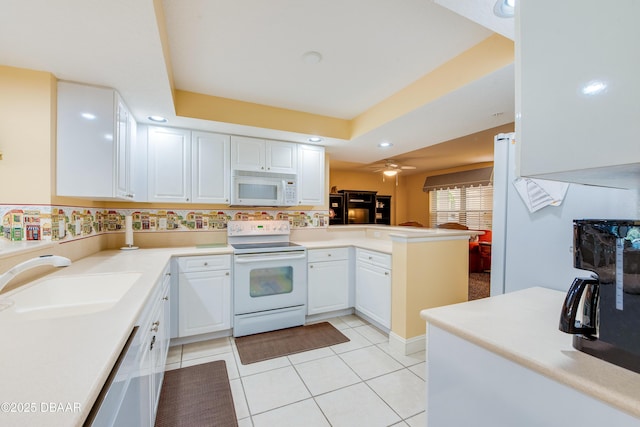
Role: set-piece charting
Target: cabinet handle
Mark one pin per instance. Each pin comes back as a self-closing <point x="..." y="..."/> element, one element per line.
<point x="153" y="341"/>
<point x="187" y="199"/>
<point x="166" y="298"/>
<point x="156" y="326"/>
<point x="328" y="254"/>
<point x="386" y="273"/>
<point x="370" y="257"/>
<point x="206" y="264"/>
<point x="311" y="266"/>
<point x="226" y="274"/>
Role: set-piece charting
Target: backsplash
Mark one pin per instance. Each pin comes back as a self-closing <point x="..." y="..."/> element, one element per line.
<point x="63" y="223"/>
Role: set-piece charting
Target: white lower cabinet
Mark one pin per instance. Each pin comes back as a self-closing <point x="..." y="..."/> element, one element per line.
<point x="131" y="399"/>
<point x="373" y="286"/>
<point x="204" y="294"/>
<point x="495" y="391"/>
<point x="327" y="280"/>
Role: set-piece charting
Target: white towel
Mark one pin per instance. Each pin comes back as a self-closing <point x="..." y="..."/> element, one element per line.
<point x="538" y="193"/>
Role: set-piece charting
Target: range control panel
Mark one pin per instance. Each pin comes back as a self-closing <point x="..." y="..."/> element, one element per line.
<point x="257" y="228"/>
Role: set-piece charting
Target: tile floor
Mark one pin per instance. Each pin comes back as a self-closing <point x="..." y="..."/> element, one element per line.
<point x="360" y="382"/>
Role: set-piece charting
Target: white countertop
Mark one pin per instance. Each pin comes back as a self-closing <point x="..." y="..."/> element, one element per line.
<point x="523" y="327"/>
<point x="67" y="360"/>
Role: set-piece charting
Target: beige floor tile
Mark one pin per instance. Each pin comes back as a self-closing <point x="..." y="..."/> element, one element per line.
<point x="305" y="413"/>
<point x="239" y="400"/>
<point x="406" y="360"/>
<point x="232" y="368"/>
<point x="356" y="405"/>
<point x="352" y="320"/>
<point x="245" y="422"/>
<point x="258" y="367"/>
<point x="420" y="370"/>
<point x="206" y="348"/>
<point x="273" y="389"/>
<point x="337" y="323"/>
<point x="419" y="420"/>
<point x="356" y="341"/>
<point x="372" y="333"/>
<point x="327" y="374"/>
<point x="370" y="362"/>
<point x="306" y="356"/>
<point x="403" y="390"/>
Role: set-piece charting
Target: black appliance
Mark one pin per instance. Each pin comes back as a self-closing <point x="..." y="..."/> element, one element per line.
<point x="336" y="209"/>
<point x="608" y="325"/>
<point x="360" y="206"/>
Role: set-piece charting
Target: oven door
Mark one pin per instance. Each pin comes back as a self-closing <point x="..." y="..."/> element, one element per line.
<point x="268" y="281"/>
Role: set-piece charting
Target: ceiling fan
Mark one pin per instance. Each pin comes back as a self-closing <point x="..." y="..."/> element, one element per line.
<point x="391" y="167"/>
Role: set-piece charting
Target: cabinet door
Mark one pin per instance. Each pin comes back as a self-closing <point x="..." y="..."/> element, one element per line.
<point x="210" y="167"/>
<point x="169" y="165"/>
<point x="281" y="157"/>
<point x="247" y="153"/>
<point x="311" y="179"/>
<point x="373" y="292"/>
<point x="328" y="286"/>
<point x="204" y="302"/>
<point x="577" y="92"/>
<point x="160" y="347"/>
<point x="85" y="141"/>
<point x="125" y="132"/>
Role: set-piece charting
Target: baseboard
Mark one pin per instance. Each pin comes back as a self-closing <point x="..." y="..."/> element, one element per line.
<point x="314" y="318"/>
<point x="407" y="346"/>
<point x="200" y="337"/>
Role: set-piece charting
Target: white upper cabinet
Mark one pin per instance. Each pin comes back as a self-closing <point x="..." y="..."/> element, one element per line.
<point x="188" y="167"/>
<point x="311" y="179"/>
<point x="210" y="171"/>
<point x="169" y="165"/>
<point x="259" y="155"/>
<point x="96" y="133"/>
<point x="577" y="91"/>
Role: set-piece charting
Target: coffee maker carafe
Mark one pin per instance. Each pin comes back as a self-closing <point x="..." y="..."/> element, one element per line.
<point x="603" y="311"/>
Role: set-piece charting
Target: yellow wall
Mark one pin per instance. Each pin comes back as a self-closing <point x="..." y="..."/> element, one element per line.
<point x="426" y="275"/>
<point x="27" y="129"/>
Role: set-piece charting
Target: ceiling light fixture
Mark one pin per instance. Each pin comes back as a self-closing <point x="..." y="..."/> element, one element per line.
<point x="314" y="139"/>
<point x="157" y="119"/>
<point x="88" y="116"/>
<point x="385" y="144"/>
<point x="311" y="57"/>
<point x="504" y="8"/>
<point x="390" y="172"/>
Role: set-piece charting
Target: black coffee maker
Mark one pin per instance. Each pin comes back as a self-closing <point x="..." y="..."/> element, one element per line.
<point x="603" y="311"/>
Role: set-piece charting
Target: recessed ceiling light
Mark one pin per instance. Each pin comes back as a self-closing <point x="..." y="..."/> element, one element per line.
<point x="311" y="57"/>
<point x="314" y="139"/>
<point x="157" y="119"/>
<point x="385" y="144"/>
<point x="594" y="87"/>
<point x="88" y="116"/>
<point x="504" y="8"/>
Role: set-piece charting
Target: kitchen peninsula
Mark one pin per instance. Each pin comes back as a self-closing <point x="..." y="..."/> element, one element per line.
<point x="82" y="343"/>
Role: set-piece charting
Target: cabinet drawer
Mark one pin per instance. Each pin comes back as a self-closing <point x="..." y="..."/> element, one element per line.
<point x="204" y="263"/>
<point x="329" y="254"/>
<point x="376" y="258"/>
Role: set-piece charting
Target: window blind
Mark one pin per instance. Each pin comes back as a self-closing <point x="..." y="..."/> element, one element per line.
<point x="470" y="206"/>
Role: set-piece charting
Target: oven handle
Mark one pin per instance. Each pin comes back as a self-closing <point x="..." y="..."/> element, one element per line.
<point x="246" y="259"/>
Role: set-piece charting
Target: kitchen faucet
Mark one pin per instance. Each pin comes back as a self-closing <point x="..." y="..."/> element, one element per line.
<point x="53" y="260"/>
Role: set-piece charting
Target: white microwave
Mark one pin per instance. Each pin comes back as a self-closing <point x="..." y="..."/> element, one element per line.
<point x="263" y="189"/>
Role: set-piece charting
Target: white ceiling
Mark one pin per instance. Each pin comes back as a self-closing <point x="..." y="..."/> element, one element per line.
<point x="251" y="50"/>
